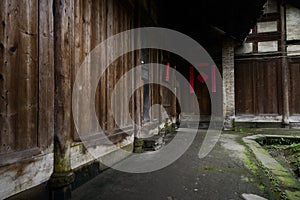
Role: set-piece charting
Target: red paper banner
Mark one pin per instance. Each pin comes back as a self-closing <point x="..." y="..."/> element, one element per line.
<point x="167" y="74"/>
<point x="213" y="79"/>
<point x="191" y="79"/>
<point x="202" y="77"/>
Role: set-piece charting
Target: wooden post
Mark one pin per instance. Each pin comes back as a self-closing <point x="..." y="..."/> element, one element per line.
<point x="62" y="177"/>
<point x="137" y="97"/>
<point x="285" y="69"/>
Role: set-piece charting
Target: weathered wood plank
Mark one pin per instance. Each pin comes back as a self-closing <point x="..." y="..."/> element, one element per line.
<point x="46" y="71"/>
<point x="86" y="47"/>
<point x="77" y="51"/>
<point x="294" y="69"/>
<point x="19" y="54"/>
<point x="8" y="110"/>
<point x="110" y="71"/>
<point x="126" y="58"/>
<point x="244" y="88"/>
<point x="103" y="80"/>
<point x="95" y="40"/>
<point x="27" y="100"/>
<point x="258" y="87"/>
<point x="117" y="65"/>
<point x="3" y="127"/>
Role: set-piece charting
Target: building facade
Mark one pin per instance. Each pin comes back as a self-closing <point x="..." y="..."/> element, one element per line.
<point x="43" y="44"/>
<point x="267" y="68"/>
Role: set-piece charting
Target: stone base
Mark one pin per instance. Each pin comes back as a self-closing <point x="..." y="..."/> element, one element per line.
<point x="153" y="143"/>
<point x="61" y="185"/>
<point x="138" y="145"/>
<point x="258" y="125"/>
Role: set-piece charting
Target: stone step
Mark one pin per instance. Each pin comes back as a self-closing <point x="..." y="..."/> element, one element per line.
<point x="153" y="143"/>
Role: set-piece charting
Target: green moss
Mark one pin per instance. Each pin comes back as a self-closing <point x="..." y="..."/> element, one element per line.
<point x="289" y="181"/>
<point x="279" y="177"/>
<point x="286" y="151"/>
<point x="292" y="195"/>
<point x="252" y="166"/>
<point x="262" y="187"/>
<point x="233" y="124"/>
<point x="207" y="168"/>
<point x="138" y="142"/>
<point x="256" y="166"/>
<point x="280" y="194"/>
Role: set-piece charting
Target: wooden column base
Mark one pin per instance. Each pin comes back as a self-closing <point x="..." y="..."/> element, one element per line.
<point x="61" y="185"/>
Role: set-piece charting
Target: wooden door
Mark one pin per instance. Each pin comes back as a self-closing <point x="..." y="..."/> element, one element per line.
<point x="258" y="87"/>
<point x="294" y="93"/>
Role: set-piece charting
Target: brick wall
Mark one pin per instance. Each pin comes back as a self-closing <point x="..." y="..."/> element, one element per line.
<point x="228" y="83"/>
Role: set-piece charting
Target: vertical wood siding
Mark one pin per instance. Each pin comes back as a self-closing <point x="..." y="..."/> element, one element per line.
<point x="94" y="22"/>
<point x="19" y="75"/>
<point x="294" y="67"/>
<point x="27" y="68"/>
<point x="258" y="87"/>
<point x="46" y="74"/>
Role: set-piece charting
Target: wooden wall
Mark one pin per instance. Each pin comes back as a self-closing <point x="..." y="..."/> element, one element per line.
<point x="27" y="71"/>
<point x="28" y="85"/>
<point x="94" y="21"/>
<point x="260" y="72"/>
<point x="27" y="66"/>
<point x="294" y="89"/>
<point x="26" y="75"/>
<point x="258" y="87"/>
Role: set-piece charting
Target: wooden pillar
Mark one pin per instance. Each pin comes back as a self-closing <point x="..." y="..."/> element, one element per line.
<point x="285" y="69"/>
<point x="228" y="83"/>
<point x="137" y="76"/>
<point x="62" y="177"/>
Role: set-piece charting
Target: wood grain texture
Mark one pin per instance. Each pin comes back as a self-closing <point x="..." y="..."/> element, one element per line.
<point x="62" y="96"/>
<point x="294" y="68"/>
<point x="46" y="74"/>
<point x="19" y="72"/>
<point x="258" y="87"/>
<point x="36" y="77"/>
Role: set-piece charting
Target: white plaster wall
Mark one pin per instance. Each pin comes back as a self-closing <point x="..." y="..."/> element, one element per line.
<point x="260" y="118"/>
<point x="292" y="23"/>
<point x="263" y="27"/>
<point x="294" y="119"/>
<point x="245" y="48"/>
<point x="20" y="176"/>
<point x="80" y="156"/>
<point x="269" y="46"/>
<point x="293" y="50"/>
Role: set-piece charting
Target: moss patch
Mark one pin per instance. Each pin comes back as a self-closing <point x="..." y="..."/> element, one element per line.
<point x="287" y="154"/>
<point x="284" y="185"/>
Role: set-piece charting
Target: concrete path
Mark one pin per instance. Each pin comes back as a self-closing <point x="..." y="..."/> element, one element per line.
<point x="223" y="174"/>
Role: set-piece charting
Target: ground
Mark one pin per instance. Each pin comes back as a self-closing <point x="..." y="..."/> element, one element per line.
<point x="223" y="174"/>
<point x="230" y="171"/>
